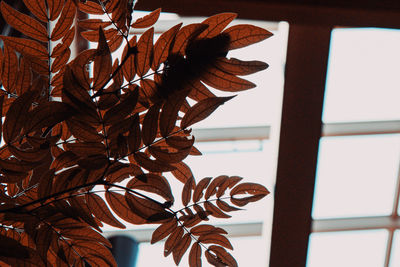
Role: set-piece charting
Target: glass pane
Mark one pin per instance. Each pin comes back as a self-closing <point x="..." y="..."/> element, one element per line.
<point x="395" y="253"/>
<point x="356" y="176"/>
<point x="347" y="249"/>
<point x="363" y="75"/>
<point x="248" y="251"/>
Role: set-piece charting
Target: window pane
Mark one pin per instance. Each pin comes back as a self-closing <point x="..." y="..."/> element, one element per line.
<point x="356" y="176"/>
<point x="248" y="251"/>
<point x="347" y="249"/>
<point x="363" y="75"/>
<point x="395" y="254"/>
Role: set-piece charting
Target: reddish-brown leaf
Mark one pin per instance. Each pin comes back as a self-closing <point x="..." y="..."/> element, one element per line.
<point x="91" y="8"/>
<point x="206" y="229"/>
<point x="93" y="24"/>
<point x="225" y="206"/>
<point x="134" y="137"/>
<point x="64" y="160"/>
<point x="10" y="70"/>
<point x="199" y="91"/>
<point x="172" y="241"/>
<point x="145" y="52"/>
<point x="152" y="183"/>
<point x="150" y="124"/>
<point x="152" y="165"/>
<point x="249" y="188"/>
<point x="119" y="172"/>
<point x="128" y="69"/>
<point x="238" y="67"/>
<point x="169" y="156"/>
<point x="99" y="208"/>
<point x="198" y="191"/>
<point x="164" y="230"/>
<point x="23" y="23"/>
<point x="245" y="34"/>
<point x="215" y="211"/>
<point x="215" y="238"/>
<point x="46" y="183"/>
<point x="31" y="155"/>
<point x="216" y="24"/>
<point x="224" y="81"/>
<point x="223" y="255"/>
<point x="169" y="113"/>
<point x="187" y="190"/>
<point x="148" y="20"/>
<point x="24" y="80"/>
<point x="84" y="149"/>
<point x="94" y="253"/>
<point x="195" y="255"/>
<point x="65" y="21"/>
<point x="38" y="8"/>
<point x="60" y="61"/>
<point x="202" y="110"/>
<point x="182" y="172"/>
<point x="16" y="116"/>
<point x="229" y="183"/>
<point x="186" y="34"/>
<point x="163" y="45"/>
<point x="150" y="211"/>
<point x="83" y="131"/>
<point x="30" y="48"/>
<point x="215" y="183"/>
<point x="246" y="200"/>
<point x="10" y="247"/>
<point x="149" y="89"/>
<point x="102" y="62"/>
<point x="180" y="249"/>
<point x="55" y="7"/>
<point x="86" y="234"/>
<point x="123" y="109"/>
<point x="119" y="205"/>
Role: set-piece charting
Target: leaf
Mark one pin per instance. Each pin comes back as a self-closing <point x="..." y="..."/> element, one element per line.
<point x="38" y="8"/>
<point x="246" y="200"/>
<point x="245" y="34"/>
<point x="46" y="183"/>
<point x="249" y="188"/>
<point x="238" y="67"/>
<point x="91" y="8"/>
<point x="225" y="206"/>
<point x="64" y="160"/>
<point x="94" y="253"/>
<point x="150" y="211"/>
<point x="119" y="205"/>
<point x="228" y="183"/>
<point x="223" y="255"/>
<point x="195" y="255"/>
<point x="99" y="208"/>
<point x="182" y="172"/>
<point x="16" y="115"/>
<point x="102" y="62"/>
<point x="84" y="233"/>
<point x="169" y="156"/>
<point x="148" y="20"/>
<point x="206" y="229"/>
<point x="65" y="21"/>
<point x="134" y="137"/>
<point x="169" y="113"/>
<point x="30" y="48"/>
<point x="23" y="23"/>
<point x="24" y="80"/>
<point x="164" y="230"/>
<point x="60" y="61"/>
<point x="31" y="155"/>
<point x="152" y="165"/>
<point x="215" y="211"/>
<point x="163" y="46"/>
<point x="202" y="110"/>
<point x="83" y="131"/>
<point x="198" y="191"/>
<point x="215" y="183"/>
<point x="187" y="190"/>
<point x="152" y="183"/>
<point x="150" y="124"/>
<point x="120" y="172"/>
<point x="93" y="24"/>
<point x="128" y="69"/>
<point x="215" y="239"/>
<point x="12" y="248"/>
<point x="180" y="249"/>
<point x="123" y="109"/>
<point x="84" y="149"/>
<point x="186" y="34"/>
<point x="55" y="7"/>
<point x="172" y="241"/>
<point x="216" y="24"/>
<point x="10" y="70"/>
<point x="225" y="81"/>
<point x="144" y="52"/>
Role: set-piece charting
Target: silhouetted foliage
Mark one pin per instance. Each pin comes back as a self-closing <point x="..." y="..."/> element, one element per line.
<point x="71" y="124"/>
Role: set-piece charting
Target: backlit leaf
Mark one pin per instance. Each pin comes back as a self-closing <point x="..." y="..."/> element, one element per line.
<point x="195" y="255"/>
<point x="249" y="188"/>
<point x="24" y="80"/>
<point x="245" y="34"/>
<point x="215" y="211"/>
<point x="65" y="21"/>
<point x="163" y="46"/>
<point x="123" y="109"/>
<point x="128" y="69"/>
<point x="55" y="7"/>
<point x="147" y="20"/>
<point x="150" y="124"/>
<point x="10" y="70"/>
<point x="93" y="24"/>
<point x="64" y="160"/>
<point x="83" y="131"/>
<point x="225" y="206"/>
<point x="172" y="241"/>
<point x="215" y="183"/>
<point x="30" y="48"/>
<point x="216" y="24"/>
<point x="206" y="229"/>
<point x="145" y="52"/>
<point x="186" y="34"/>
<point x="102" y="62"/>
<point x="202" y="110"/>
<point x="228" y="183"/>
<point x="182" y="172"/>
<point x="101" y="211"/>
<point x="198" y="191"/>
<point x="180" y="249"/>
<point x="60" y="61"/>
<point x="215" y="239"/>
<point x="119" y="205"/>
<point x="224" y="81"/>
<point x="169" y="113"/>
<point x="238" y="67"/>
<point x="152" y="165"/>
<point x="187" y="190"/>
<point x="164" y="230"/>
<point x="246" y="200"/>
<point x="23" y="23"/>
<point x="38" y="8"/>
<point x="134" y="137"/>
<point x="149" y="210"/>
<point x="223" y="255"/>
<point x="169" y="156"/>
<point x="91" y="8"/>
